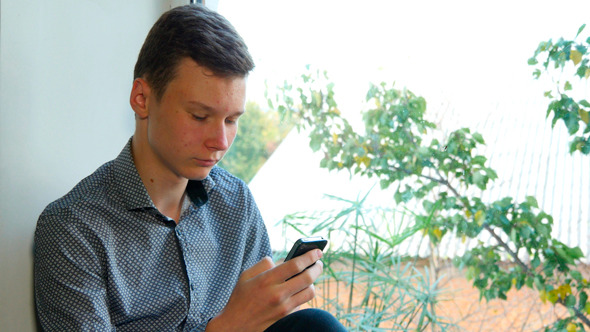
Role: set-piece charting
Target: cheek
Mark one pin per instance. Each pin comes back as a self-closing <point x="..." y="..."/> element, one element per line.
<point x="186" y="137"/>
<point x="231" y="134"/>
<point x="189" y="138"/>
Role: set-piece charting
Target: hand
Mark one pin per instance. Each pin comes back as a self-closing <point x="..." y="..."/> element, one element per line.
<point x="264" y="293"/>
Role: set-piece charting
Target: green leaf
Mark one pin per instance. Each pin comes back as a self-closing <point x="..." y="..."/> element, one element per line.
<point x="479" y="180"/>
<point x="539" y="283"/>
<point x="450" y="203"/>
<point x="407" y="195"/>
<point x="583" y="300"/>
<point x="567" y="86"/>
<point x="580" y="30"/>
<point x="532" y="201"/>
<point x="573" y="147"/>
<point x="427" y="205"/>
<point x="535" y="262"/>
<point x="575" y="56"/>
<point x="480" y="283"/>
<point x="479" y="160"/>
<point x="576" y="275"/>
<point x="571" y="122"/>
<point x="513" y="236"/>
<point x="575" y="253"/>
<point x="315" y="142"/>
<point x="563" y="256"/>
<point x="525" y="232"/>
<point x="533" y="61"/>
<point x="470" y="273"/>
<point x="583" y="71"/>
<point x="570" y="301"/>
<point x="398" y="197"/>
<point x="478" y="138"/>
<point x="490" y="173"/>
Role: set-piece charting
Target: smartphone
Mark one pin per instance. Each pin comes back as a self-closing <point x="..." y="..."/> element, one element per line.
<point x="304" y="245"/>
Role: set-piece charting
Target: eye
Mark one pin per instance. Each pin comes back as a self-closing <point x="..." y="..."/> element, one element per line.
<point x="198" y="118"/>
<point x="231" y="121"/>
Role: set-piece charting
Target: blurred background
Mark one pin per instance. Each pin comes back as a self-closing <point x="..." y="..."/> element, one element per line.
<point x="66" y="70"/>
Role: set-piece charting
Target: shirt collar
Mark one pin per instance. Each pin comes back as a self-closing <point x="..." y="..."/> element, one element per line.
<point x="133" y="193"/>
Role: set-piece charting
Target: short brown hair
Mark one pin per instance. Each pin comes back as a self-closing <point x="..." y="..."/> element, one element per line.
<point x="191" y="31"/>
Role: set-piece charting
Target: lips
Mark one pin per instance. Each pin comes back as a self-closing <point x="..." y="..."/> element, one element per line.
<point x="206" y="162"/>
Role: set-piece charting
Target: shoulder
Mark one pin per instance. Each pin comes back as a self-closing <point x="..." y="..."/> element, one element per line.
<point x="225" y="180"/>
<point x="90" y="193"/>
<point x="229" y="189"/>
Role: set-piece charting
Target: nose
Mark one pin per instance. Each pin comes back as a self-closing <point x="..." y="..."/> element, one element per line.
<point x="217" y="137"/>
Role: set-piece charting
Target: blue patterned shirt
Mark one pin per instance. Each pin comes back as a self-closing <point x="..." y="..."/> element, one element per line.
<point x="106" y="259"/>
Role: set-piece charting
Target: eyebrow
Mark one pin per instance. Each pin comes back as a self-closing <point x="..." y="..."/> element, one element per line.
<point x="208" y="108"/>
<point x="201" y="105"/>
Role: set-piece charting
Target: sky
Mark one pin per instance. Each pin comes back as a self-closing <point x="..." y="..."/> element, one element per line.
<point x="464" y="51"/>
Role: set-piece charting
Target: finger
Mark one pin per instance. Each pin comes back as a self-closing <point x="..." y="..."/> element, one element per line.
<point x="263" y="265"/>
<point x="303" y="296"/>
<point x="305" y="278"/>
<point x="298" y="264"/>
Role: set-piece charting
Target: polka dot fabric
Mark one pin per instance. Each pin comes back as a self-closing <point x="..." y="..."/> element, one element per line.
<point x="106" y="259"/>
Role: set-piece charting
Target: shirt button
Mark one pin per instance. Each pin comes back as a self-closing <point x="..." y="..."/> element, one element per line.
<point x="178" y="232"/>
<point x="193" y="287"/>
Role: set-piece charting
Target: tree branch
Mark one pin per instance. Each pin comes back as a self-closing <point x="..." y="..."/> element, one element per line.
<point x="525" y="268"/>
<point x="578" y="313"/>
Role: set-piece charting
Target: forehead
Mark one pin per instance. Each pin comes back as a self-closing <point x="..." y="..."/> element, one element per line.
<point x="188" y="69"/>
<point x="199" y="83"/>
<point x="187" y="64"/>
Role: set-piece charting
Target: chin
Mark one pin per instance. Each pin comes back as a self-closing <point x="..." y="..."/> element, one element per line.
<point x="198" y="175"/>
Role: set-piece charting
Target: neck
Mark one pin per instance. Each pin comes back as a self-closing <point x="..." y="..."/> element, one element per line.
<point x="165" y="189"/>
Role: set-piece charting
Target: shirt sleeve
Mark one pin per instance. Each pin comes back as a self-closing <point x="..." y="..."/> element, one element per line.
<point x="70" y="291"/>
<point x="257" y="242"/>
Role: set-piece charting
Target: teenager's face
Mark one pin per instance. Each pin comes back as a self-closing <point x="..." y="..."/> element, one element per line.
<point x="193" y="125"/>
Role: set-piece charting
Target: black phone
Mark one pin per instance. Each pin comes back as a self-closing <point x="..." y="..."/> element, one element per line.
<point x="306" y="244"/>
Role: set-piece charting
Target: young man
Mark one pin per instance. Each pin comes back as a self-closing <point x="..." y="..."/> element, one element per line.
<point x="160" y="239"/>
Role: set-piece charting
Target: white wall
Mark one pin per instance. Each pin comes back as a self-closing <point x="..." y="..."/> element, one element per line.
<point x="66" y="68"/>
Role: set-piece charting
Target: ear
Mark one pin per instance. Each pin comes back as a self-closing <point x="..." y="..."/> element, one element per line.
<point x="140" y="93"/>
